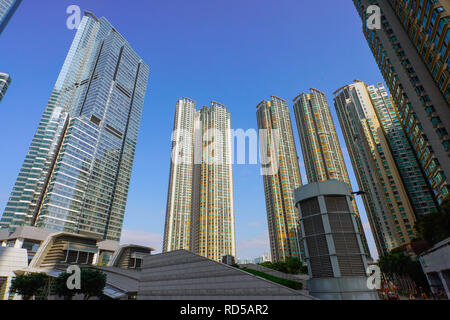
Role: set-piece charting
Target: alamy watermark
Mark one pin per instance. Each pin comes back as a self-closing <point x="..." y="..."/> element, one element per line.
<point x="374" y="17"/>
<point x="74" y="19"/>
<point x="225" y="147"/>
<point x="374" y="277"/>
<point x="74" y="280"/>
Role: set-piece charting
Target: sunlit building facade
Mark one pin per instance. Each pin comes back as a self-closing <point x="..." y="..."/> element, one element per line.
<point x="177" y="234"/>
<point x="5" y="81"/>
<point x="320" y="145"/>
<point x="412" y="52"/>
<point x="76" y="175"/>
<point x="282" y="178"/>
<point x="200" y="200"/>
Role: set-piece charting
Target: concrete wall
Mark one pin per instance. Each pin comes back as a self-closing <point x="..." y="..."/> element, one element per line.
<point x="344" y="288"/>
<point x="437" y="260"/>
<point x="11" y="259"/>
<point x="187" y="276"/>
<point x="436" y="265"/>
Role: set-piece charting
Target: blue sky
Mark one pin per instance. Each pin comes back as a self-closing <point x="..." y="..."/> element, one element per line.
<point x="235" y="52"/>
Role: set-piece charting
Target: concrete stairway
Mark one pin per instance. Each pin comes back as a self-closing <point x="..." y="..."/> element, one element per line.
<point x="187" y="276"/>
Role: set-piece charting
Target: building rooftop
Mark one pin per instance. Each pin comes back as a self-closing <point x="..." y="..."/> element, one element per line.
<point x="25" y="232"/>
<point x="108" y="245"/>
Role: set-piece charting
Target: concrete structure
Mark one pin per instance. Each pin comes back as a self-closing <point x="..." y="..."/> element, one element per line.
<point x="76" y="174"/>
<point x="129" y="256"/>
<point x="229" y="260"/>
<point x="183" y="275"/>
<point x="5" y="81"/>
<point x="10" y="259"/>
<point x="200" y="199"/>
<point x="396" y="190"/>
<point x="7" y="10"/>
<point x="31" y="250"/>
<point x="412" y="51"/>
<point x="281" y="176"/>
<point x="435" y="263"/>
<point x="333" y="247"/>
<point x="31" y="239"/>
<point x="132" y="272"/>
<point x="28" y="238"/>
<point x="320" y="145"/>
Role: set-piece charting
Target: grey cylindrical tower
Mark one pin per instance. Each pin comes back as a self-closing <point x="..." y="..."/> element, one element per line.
<point x="333" y="248"/>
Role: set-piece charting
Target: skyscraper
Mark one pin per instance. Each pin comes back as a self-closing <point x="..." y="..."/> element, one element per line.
<point x="200" y="200"/>
<point x="320" y="145"/>
<point x="419" y="191"/>
<point x="5" y="81"/>
<point x="177" y="233"/>
<point x="7" y="9"/>
<point x="393" y="189"/>
<point x="412" y="52"/>
<point x="282" y="178"/>
<point x="76" y="174"/>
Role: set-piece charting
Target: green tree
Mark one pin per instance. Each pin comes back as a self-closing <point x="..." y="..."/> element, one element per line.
<point x="399" y="263"/>
<point x="92" y="283"/>
<point x="435" y="226"/>
<point x="29" y="285"/>
<point x="61" y="289"/>
<point x="294" y="266"/>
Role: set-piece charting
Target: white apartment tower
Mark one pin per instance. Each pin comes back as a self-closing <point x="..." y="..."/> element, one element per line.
<point x="200" y="201"/>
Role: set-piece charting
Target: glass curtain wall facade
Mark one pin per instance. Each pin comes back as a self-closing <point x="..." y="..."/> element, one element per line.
<point x="412" y="52"/>
<point x="5" y="81"/>
<point x="320" y="145"/>
<point x="273" y="117"/>
<point x="7" y="10"/>
<point x="76" y="175"/>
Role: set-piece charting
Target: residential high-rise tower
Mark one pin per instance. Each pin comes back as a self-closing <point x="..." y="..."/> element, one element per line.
<point x="320" y="145"/>
<point x="281" y="178"/>
<point x="385" y="167"/>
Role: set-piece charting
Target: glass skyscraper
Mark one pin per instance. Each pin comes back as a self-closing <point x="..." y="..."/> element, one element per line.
<point x="7" y="9"/>
<point x="5" y="81"/>
<point x="76" y="174"/>
<point x="282" y="179"/>
<point x="200" y="200"/>
<point x="320" y="145"/>
<point x="412" y="51"/>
